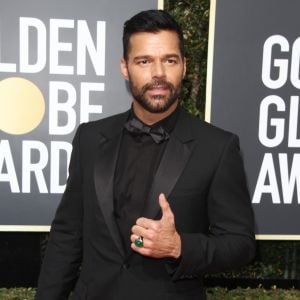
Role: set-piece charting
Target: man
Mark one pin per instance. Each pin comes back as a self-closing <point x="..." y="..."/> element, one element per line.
<point x="155" y="198"/>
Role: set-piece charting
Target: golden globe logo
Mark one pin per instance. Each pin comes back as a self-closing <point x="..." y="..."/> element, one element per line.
<point x="64" y="55"/>
<point x="22" y="105"/>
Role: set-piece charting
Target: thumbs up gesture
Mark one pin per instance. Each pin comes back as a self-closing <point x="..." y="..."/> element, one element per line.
<point x="160" y="238"/>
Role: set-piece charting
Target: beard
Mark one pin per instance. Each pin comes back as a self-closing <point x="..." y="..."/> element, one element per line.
<point x="156" y="103"/>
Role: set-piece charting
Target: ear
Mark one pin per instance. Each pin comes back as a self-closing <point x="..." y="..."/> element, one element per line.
<point x="124" y="68"/>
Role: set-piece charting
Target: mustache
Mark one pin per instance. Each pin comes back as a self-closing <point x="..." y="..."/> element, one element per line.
<point x="155" y="83"/>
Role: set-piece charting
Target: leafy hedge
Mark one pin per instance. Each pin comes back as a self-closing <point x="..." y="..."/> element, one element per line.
<point x="251" y="294"/>
<point x="17" y="294"/>
<point x="193" y="15"/>
<point x="212" y="293"/>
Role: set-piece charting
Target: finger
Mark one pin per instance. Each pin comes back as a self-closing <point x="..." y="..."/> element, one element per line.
<point x="146" y="242"/>
<point x="142" y="250"/>
<point x="145" y="233"/>
<point x="165" y="207"/>
<point x="138" y="230"/>
<point x="134" y="237"/>
<point x="147" y="223"/>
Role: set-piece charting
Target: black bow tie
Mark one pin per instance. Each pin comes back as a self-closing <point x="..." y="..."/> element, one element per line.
<point x="136" y="127"/>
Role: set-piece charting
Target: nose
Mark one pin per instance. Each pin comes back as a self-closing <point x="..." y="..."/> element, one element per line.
<point x="158" y="70"/>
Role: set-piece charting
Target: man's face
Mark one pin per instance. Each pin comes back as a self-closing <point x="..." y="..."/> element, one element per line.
<point x="154" y="69"/>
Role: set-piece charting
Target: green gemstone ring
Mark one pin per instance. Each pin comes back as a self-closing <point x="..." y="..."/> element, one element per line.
<point x="139" y="242"/>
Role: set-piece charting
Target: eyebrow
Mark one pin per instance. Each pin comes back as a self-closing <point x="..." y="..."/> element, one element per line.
<point x="142" y="57"/>
<point x="149" y="56"/>
<point x="173" y="55"/>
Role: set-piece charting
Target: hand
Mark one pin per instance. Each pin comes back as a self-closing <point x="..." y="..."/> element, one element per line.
<point x="160" y="238"/>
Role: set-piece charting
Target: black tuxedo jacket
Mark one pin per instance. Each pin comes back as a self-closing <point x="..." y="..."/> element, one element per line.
<point x="201" y="173"/>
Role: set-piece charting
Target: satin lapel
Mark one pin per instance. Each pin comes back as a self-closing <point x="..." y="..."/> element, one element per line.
<point x="105" y="165"/>
<point x="172" y="164"/>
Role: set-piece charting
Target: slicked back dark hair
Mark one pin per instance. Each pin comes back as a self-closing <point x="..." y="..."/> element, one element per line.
<point x="151" y="21"/>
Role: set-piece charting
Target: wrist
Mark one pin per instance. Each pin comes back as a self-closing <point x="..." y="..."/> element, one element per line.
<point x="177" y="248"/>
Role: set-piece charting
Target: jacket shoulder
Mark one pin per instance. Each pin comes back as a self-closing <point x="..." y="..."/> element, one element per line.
<point x="206" y="131"/>
<point x="107" y="126"/>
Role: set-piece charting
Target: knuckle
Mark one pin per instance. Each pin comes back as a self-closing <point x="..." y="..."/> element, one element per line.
<point x="150" y="244"/>
<point x="139" y="221"/>
<point x="151" y="235"/>
<point x="157" y="226"/>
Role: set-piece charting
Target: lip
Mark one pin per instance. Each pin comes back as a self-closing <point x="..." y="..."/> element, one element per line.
<point x="158" y="92"/>
<point x="158" y="89"/>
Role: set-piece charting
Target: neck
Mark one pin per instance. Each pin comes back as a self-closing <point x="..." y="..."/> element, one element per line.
<point x="151" y="118"/>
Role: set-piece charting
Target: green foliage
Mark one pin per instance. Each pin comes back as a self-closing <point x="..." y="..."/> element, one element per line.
<point x="280" y="259"/>
<point x="274" y="260"/>
<point x="212" y="294"/>
<point x="193" y="16"/>
<point x="17" y="294"/>
<point x="252" y="294"/>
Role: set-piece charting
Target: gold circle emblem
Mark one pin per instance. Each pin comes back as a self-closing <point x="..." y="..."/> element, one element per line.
<point x="22" y="105"/>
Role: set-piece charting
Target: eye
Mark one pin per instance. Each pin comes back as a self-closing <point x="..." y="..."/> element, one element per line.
<point x="143" y="62"/>
<point x="171" y="61"/>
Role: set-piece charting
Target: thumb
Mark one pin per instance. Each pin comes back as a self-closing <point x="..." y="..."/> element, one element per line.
<point x="165" y="207"/>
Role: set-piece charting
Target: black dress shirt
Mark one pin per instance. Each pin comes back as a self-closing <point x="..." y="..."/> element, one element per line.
<point x="138" y="160"/>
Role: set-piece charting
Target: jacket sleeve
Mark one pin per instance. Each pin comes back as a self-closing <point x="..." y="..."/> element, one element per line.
<point x="63" y="255"/>
<point x="230" y="241"/>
